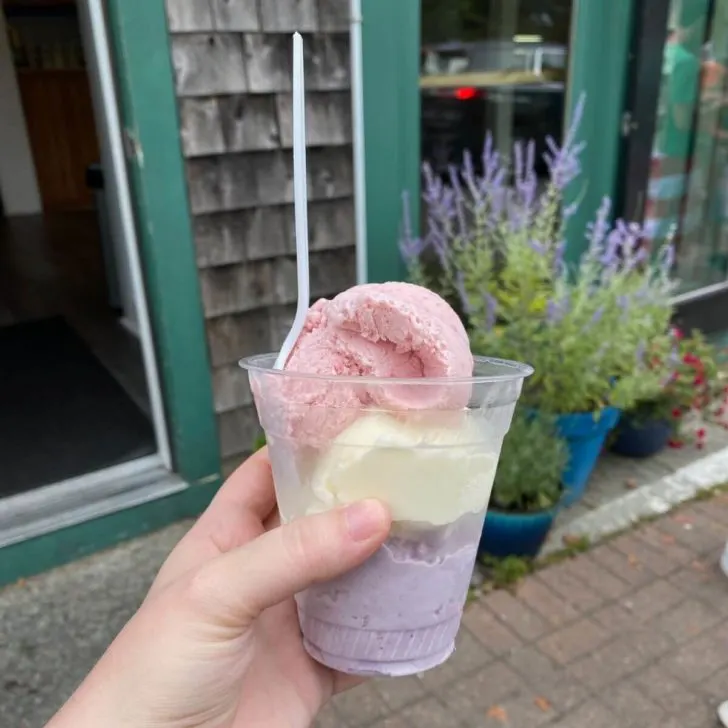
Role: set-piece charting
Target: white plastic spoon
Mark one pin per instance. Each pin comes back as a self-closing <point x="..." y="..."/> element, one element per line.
<point x="300" y="194"/>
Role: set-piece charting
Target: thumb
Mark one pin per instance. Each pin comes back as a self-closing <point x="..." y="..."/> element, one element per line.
<point x="236" y="587"/>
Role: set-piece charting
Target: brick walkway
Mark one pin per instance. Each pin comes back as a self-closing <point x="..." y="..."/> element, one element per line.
<point x="633" y="633"/>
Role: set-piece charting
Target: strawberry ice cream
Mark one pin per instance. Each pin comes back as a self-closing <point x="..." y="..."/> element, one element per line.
<point x="383" y="330"/>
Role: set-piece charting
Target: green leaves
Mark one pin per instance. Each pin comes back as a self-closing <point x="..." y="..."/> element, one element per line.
<point x="530" y="466"/>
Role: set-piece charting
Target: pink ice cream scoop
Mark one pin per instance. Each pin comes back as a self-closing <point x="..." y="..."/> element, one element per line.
<point x="382" y="330"/>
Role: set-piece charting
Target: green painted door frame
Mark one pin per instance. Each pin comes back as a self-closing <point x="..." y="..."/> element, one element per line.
<point x="141" y="53"/>
<point x="601" y="34"/>
<point x="140" y="43"/>
<point x="391" y="65"/>
<point x="599" y="56"/>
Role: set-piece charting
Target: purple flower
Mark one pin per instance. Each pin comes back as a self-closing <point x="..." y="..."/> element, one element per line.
<point x="462" y="293"/>
<point x="491" y="310"/>
<point x="570" y="210"/>
<point x="563" y="162"/>
<point x="611" y="256"/>
<point x="491" y="160"/>
<point x="459" y="201"/>
<point x="410" y="247"/>
<point x="438" y="240"/>
<point x="597" y="316"/>
<point x="471" y="180"/>
<point x="537" y="247"/>
<point x="555" y="311"/>
<point x="559" y="251"/>
<point x="597" y="231"/>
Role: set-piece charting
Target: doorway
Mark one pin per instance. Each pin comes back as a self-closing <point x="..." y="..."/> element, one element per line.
<point x="675" y="167"/>
<point x="79" y="393"/>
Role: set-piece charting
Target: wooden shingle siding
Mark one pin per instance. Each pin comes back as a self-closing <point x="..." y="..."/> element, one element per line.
<point x="247" y="286"/>
<point x="287" y="16"/>
<point x="238" y="429"/>
<point x="268" y="232"/>
<point x="236" y="181"/>
<point x="232" y="61"/>
<point x="185" y="16"/>
<point x="334" y="16"/>
<point x="328" y="119"/>
<point x="234" y="15"/>
<point x="209" y="63"/>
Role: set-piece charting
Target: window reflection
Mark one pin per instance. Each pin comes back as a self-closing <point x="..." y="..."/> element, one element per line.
<point x="497" y="66"/>
<point x="687" y="193"/>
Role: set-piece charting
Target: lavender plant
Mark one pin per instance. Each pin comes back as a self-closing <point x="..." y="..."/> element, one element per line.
<point x="494" y="246"/>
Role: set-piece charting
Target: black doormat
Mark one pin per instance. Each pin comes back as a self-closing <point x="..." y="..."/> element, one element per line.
<point x="61" y="413"/>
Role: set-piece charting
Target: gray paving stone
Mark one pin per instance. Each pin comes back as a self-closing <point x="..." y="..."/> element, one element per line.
<point x="592" y="714"/>
<point x="666" y="691"/>
<point x="631" y="706"/>
<point x="430" y="713"/>
<point x="360" y="706"/>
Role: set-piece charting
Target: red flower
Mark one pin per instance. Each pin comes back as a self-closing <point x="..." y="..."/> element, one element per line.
<point x="691" y="359"/>
<point x="700" y="434"/>
<point x="677" y="412"/>
<point x="677" y="334"/>
<point x="675" y="444"/>
<point x="720" y="411"/>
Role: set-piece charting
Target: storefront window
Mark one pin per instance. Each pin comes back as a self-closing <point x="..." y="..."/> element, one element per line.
<point x="687" y="197"/>
<point x="495" y="66"/>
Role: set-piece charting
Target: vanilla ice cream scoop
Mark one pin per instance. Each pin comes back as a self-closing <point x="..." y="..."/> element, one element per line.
<point x="425" y="472"/>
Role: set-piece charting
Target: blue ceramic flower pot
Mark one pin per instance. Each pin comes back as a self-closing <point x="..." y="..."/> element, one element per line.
<point x="585" y="435"/>
<point x="641" y="439"/>
<point x="515" y="534"/>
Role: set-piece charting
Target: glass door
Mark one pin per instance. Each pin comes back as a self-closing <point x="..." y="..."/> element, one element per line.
<point x="494" y="66"/>
<point x="676" y="128"/>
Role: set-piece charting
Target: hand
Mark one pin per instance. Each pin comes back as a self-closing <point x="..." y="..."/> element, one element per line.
<point x="216" y="643"/>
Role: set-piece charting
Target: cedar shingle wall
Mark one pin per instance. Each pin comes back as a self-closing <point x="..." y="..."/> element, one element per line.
<point x="232" y="61"/>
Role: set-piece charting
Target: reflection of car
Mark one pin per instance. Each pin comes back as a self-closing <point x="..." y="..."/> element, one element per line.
<point x="505" y="87"/>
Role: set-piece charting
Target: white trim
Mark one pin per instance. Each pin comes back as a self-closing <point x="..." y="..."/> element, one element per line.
<point x="85" y="498"/>
<point x="357" y="115"/>
<point x="105" y="78"/>
<point x="690" y="296"/>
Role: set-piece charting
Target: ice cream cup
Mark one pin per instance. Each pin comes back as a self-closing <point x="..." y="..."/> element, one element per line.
<point x="429" y="449"/>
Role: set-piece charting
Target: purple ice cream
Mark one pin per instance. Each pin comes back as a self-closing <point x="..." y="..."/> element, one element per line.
<point x="399" y="612"/>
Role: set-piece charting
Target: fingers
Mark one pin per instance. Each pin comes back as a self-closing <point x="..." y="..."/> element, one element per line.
<point x="234" y="517"/>
<point x="236" y="587"/>
<point x="250" y="487"/>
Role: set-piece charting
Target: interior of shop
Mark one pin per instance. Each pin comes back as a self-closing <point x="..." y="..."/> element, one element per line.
<point x="492" y="67"/>
<point x="73" y="389"/>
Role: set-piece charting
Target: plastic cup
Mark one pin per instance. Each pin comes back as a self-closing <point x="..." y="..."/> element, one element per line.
<point x="429" y="449"/>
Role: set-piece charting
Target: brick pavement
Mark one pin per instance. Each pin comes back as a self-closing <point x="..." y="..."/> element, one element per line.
<point x="633" y="633"/>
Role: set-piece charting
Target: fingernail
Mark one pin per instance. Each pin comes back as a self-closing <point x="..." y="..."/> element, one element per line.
<point x="363" y="519"/>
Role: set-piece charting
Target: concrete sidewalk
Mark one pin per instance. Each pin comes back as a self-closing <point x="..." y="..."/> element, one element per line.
<point x="633" y="633"/>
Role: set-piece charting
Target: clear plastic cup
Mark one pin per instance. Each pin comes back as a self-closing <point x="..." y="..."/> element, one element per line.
<point x="429" y="449"/>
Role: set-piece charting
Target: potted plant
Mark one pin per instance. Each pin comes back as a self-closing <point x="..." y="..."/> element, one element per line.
<point x="494" y="244"/>
<point x="527" y="489"/>
<point x="686" y="394"/>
